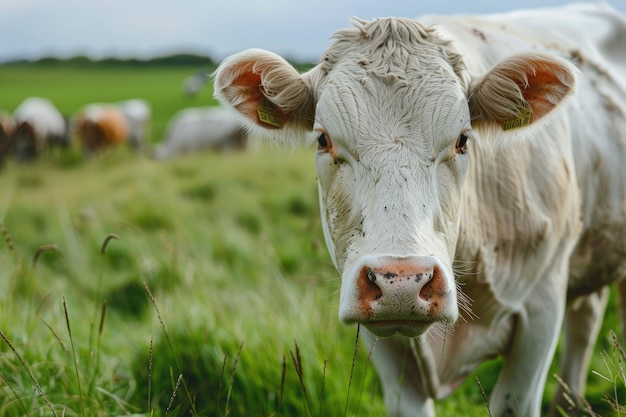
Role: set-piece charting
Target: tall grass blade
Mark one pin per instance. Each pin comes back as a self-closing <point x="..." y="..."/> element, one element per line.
<point x="107" y="239"/>
<point x="297" y="364"/>
<point x="354" y="355"/>
<point x="323" y="383"/>
<point x="221" y="384"/>
<point x="30" y="373"/>
<point x="15" y="394"/>
<point x="232" y="379"/>
<point x="567" y="395"/>
<point x="485" y="399"/>
<point x="369" y="358"/>
<point x="283" y="374"/>
<point x="7" y="237"/>
<point x="620" y="356"/>
<point x="121" y="403"/>
<point x="96" y="366"/>
<point x="102" y="317"/>
<point x="173" y="397"/>
<point x="56" y="336"/>
<point x="69" y="330"/>
<point x="171" y="347"/>
<point x="41" y="249"/>
<point x="150" y="376"/>
<point x="156" y="308"/>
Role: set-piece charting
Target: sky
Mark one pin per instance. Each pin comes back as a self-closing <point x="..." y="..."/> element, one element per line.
<point x="30" y="29"/>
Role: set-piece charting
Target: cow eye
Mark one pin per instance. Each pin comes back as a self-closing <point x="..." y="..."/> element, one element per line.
<point x="323" y="142"/>
<point x="461" y="143"/>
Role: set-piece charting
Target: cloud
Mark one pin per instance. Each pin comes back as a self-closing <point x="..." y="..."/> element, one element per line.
<point x="143" y="28"/>
<point x="16" y="6"/>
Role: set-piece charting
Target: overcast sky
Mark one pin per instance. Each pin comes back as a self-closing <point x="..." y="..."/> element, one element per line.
<point x="147" y="28"/>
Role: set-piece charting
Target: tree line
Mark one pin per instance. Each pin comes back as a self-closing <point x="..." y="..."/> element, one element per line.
<point x="174" y="60"/>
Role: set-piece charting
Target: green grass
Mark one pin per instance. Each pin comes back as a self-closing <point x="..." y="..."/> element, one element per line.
<point x="221" y="267"/>
<point x="220" y="274"/>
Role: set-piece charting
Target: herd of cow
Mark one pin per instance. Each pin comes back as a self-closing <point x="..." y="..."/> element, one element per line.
<point x="37" y="126"/>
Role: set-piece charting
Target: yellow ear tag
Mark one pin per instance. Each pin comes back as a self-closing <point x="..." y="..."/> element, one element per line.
<point x="267" y="113"/>
<point x="523" y="119"/>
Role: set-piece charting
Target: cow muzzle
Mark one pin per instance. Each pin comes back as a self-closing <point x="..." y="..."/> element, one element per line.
<point x="405" y="295"/>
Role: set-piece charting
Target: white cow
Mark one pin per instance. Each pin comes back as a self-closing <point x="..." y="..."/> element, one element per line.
<point x="471" y="183"/>
<point x="138" y="114"/>
<point x="39" y="124"/>
<point x="192" y="85"/>
<point x="201" y="128"/>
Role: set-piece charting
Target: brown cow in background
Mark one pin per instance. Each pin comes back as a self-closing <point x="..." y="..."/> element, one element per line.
<point x="101" y="126"/>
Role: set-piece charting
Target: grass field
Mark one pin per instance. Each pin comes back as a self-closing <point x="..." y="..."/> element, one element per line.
<point x="214" y="295"/>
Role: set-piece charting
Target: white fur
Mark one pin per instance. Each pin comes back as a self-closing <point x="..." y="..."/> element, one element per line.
<point x="198" y="129"/>
<point x="138" y="114"/>
<point x="43" y="115"/>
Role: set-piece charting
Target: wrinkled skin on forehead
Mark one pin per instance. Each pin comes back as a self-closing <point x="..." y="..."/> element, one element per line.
<point x="391" y="183"/>
<point x="394" y="136"/>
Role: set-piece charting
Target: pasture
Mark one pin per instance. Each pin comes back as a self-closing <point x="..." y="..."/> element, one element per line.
<point x="214" y="294"/>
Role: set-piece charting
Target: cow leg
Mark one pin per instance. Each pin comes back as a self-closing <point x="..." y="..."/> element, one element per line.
<point x="400" y="377"/>
<point x="580" y="331"/>
<point x="519" y="389"/>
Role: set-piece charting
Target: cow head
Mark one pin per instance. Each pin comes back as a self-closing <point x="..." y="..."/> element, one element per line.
<point x="393" y="111"/>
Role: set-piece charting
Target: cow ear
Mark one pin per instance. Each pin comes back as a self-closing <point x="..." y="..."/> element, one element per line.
<point x="272" y="96"/>
<point x="520" y="90"/>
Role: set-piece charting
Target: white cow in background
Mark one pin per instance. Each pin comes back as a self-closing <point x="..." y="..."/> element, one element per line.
<point x="39" y="125"/>
<point x="199" y="129"/>
<point x="472" y="189"/>
<point x="138" y="114"/>
<point x="192" y="85"/>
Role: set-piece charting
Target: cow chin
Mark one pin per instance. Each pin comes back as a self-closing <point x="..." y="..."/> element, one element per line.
<point x="389" y="328"/>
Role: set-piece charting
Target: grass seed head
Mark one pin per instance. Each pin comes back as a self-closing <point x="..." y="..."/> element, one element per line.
<point x="7" y="237"/>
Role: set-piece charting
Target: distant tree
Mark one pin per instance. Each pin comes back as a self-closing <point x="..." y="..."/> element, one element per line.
<point x="173" y="60"/>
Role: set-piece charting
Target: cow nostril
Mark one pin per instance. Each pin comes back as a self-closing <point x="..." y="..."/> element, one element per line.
<point x="368" y="288"/>
<point x="434" y="286"/>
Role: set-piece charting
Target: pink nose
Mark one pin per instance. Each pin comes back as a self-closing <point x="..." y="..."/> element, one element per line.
<point x="412" y="288"/>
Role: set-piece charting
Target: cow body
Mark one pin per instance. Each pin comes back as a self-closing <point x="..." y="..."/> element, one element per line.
<point x="100" y="127"/>
<point x="103" y="125"/>
<point x="38" y="126"/>
<point x="471" y="189"/>
<point x="138" y="114"/>
<point x="192" y="85"/>
<point x="199" y="129"/>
